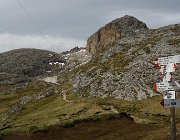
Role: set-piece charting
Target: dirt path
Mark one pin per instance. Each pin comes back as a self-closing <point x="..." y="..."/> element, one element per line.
<point x="123" y="129"/>
<point x="52" y="79"/>
<point x="64" y="97"/>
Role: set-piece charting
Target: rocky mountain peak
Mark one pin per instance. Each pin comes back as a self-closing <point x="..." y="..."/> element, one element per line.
<point x="113" y="31"/>
<point x="131" y="22"/>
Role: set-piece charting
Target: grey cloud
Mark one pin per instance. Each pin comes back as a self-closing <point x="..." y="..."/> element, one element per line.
<point x="58" y="44"/>
<point x="78" y="19"/>
<point x="72" y="18"/>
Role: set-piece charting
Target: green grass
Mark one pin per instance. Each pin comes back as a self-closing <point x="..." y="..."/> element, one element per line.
<point x="53" y="110"/>
<point x="174" y="42"/>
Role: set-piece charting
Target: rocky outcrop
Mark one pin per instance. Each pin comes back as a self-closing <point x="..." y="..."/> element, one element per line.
<point x="24" y="100"/>
<point x="30" y="62"/>
<point x="125" y="70"/>
<point x="76" y="57"/>
<point x="13" y="79"/>
<point x="73" y="50"/>
<point x="117" y="29"/>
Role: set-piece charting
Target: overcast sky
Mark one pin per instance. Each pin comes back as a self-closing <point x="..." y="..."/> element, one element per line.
<point x="60" y="25"/>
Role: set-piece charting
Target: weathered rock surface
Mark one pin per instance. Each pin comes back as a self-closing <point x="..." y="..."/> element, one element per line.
<point x="30" y="62"/>
<point x="125" y="70"/>
<point x="24" y="100"/>
<point x="13" y="79"/>
<point x="117" y="29"/>
<point x="76" y="57"/>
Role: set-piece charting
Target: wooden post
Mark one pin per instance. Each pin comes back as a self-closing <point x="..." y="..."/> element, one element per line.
<point x="173" y="124"/>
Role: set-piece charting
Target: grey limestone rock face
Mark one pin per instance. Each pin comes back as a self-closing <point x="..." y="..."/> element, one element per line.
<point x="137" y="53"/>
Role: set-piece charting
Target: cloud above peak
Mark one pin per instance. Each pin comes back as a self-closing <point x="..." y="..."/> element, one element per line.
<point x="57" y="44"/>
<point x="67" y="23"/>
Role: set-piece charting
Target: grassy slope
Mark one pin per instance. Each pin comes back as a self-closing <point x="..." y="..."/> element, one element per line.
<point x="56" y="111"/>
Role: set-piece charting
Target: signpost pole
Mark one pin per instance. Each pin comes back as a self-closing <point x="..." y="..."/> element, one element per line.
<point x="173" y="124"/>
<point x="167" y="65"/>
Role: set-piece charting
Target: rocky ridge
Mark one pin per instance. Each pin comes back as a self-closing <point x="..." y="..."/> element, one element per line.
<point x="113" y="31"/>
<point x="124" y="70"/>
<point x="30" y="62"/>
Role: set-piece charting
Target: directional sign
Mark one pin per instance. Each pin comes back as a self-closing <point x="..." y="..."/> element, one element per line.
<point x="167" y="77"/>
<point x="167" y="69"/>
<point x="172" y="103"/>
<point x="170" y="95"/>
<point x="174" y="59"/>
<point x="156" y="64"/>
<point x="171" y="67"/>
<point x="166" y="86"/>
<point x="162" y="61"/>
<point x="167" y="65"/>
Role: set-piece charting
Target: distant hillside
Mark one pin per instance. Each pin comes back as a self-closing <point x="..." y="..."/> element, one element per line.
<point x="30" y="62"/>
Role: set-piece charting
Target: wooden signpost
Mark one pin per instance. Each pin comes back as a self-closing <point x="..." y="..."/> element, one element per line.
<point x="168" y="65"/>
